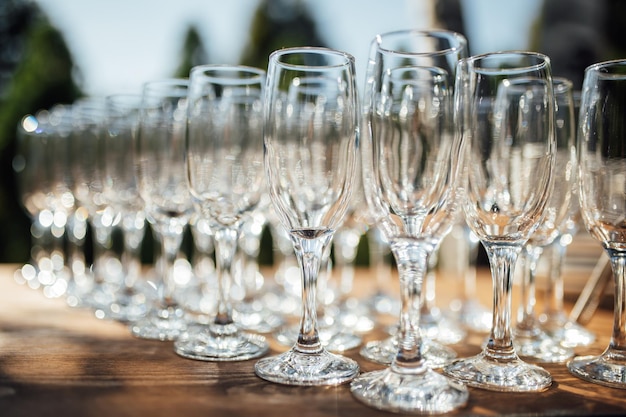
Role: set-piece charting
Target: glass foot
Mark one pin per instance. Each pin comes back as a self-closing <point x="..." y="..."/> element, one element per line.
<point x="220" y="343"/>
<point x="301" y="368"/>
<point x="541" y="348"/>
<point x="332" y="337"/>
<point x="472" y="315"/>
<point x="167" y="324"/>
<point x="510" y="375"/>
<point x="383" y="352"/>
<point x="608" y="369"/>
<point x="435" y="326"/>
<point x="255" y="317"/>
<point x="571" y="334"/>
<point x="427" y="392"/>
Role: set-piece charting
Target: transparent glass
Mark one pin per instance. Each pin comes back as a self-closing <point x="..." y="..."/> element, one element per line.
<point x="602" y="163"/>
<point x="409" y="159"/>
<point x="508" y="159"/>
<point x="162" y="182"/>
<point x="528" y="337"/>
<point x="311" y="142"/>
<point x="225" y="170"/>
<point x="131" y="296"/>
<point x="435" y="49"/>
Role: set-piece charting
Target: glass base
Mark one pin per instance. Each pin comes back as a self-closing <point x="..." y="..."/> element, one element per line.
<point x="511" y="375"/>
<point x="540" y="347"/>
<point x="308" y="369"/>
<point x="425" y="393"/>
<point x="570" y="334"/>
<point x="383" y="352"/>
<point x="332" y="337"/>
<point x="167" y="324"/>
<point x="256" y="317"/>
<point x="220" y="343"/>
<point x="472" y="315"/>
<point x="435" y="326"/>
<point x="608" y="369"/>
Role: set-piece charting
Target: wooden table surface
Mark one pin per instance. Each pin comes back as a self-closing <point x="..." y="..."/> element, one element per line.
<point x="59" y="361"/>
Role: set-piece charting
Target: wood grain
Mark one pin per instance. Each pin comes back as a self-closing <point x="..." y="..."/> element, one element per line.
<point x="59" y="361"/>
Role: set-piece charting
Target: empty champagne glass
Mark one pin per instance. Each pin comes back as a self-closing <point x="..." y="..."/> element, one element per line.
<point x="412" y="192"/>
<point x="225" y="172"/>
<point x="508" y="158"/>
<point x="554" y="320"/>
<point x="311" y="141"/>
<point x="162" y="183"/>
<point x="528" y="337"/>
<point x="120" y="191"/>
<point x="436" y="48"/>
<point x="601" y="146"/>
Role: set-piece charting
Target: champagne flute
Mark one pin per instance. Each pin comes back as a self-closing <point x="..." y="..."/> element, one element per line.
<point x="224" y="159"/>
<point x="508" y="159"/>
<point x="530" y="340"/>
<point x="436" y="48"/>
<point x="162" y="184"/>
<point x="120" y="191"/>
<point x="601" y="146"/>
<point x="311" y="141"/>
<point x="411" y="156"/>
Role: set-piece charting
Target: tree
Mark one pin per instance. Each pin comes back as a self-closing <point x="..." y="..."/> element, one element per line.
<point x="194" y="53"/>
<point x="278" y="24"/>
<point x="36" y="75"/>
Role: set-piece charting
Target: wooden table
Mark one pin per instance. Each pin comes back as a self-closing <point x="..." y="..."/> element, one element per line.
<point x="59" y="361"/>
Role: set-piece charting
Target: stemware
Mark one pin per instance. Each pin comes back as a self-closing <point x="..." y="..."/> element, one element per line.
<point x="35" y="165"/>
<point x="530" y="340"/>
<point x="601" y="147"/>
<point x="120" y="191"/>
<point x="438" y="48"/>
<point x="508" y="159"/>
<point x="310" y="144"/>
<point x="225" y="164"/>
<point x="162" y="183"/>
<point x="554" y="320"/>
<point x="411" y="187"/>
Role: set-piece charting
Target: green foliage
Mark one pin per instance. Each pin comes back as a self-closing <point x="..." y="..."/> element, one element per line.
<point x="279" y="24"/>
<point x="193" y="53"/>
<point x="42" y="78"/>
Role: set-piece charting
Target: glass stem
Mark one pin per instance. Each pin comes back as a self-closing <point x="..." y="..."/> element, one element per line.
<point x="170" y="244"/>
<point x="225" y="248"/>
<point x="412" y="259"/>
<point x="102" y="242"/>
<point x="526" y="320"/>
<point x="309" y="252"/>
<point x="617" y="345"/>
<point x="502" y="259"/>
<point x="554" y="311"/>
<point x="131" y="256"/>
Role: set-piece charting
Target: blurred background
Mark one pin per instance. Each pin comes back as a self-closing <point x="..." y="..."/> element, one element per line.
<point x="55" y="51"/>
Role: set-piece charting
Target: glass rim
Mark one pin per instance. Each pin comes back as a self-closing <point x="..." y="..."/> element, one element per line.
<point x="310" y="50"/>
<point x="475" y="59"/>
<point x="604" y="68"/>
<point x="250" y="75"/>
<point x="425" y="34"/>
<point x="178" y="86"/>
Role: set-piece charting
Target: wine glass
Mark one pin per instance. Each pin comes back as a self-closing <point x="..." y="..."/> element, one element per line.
<point x="34" y="163"/>
<point x="161" y="176"/>
<point x="411" y="186"/>
<point x="530" y="340"/>
<point x="86" y="145"/>
<point x="508" y="159"/>
<point x="601" y="145"/>
<point x="225" y="173"/>
<point x="120" y="191"/>
<point x="554" y="321"/>
<point x="310" y="146"/>
<point x="435" y="48"/>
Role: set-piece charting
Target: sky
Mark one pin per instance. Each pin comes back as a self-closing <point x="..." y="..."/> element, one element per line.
<point x="120" y="44"/>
